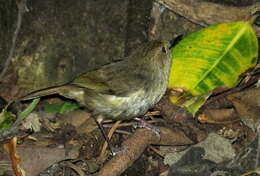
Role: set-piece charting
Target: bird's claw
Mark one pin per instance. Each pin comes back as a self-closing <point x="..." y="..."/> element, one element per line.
<point x="118" y="150"/>
<point x="143" y="124"/>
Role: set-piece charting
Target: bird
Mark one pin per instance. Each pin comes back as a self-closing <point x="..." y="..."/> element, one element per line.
<point x="125" y="89"/>
<point x="120" y="90"/>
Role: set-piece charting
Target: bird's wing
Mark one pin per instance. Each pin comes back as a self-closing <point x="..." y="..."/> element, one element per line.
<point x="116" y="79"/>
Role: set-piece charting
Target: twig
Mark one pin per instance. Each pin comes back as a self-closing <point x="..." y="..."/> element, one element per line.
<point x="22" y="8"/>
<point x="123" y="132"/>
<point x="258" y="147"/>
<point x="127" y="124"/>
<point x="158" y="152"/>
<point x="137" y="143"/>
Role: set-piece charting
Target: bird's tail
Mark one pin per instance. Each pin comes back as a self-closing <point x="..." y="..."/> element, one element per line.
<point x="61" y="90"/>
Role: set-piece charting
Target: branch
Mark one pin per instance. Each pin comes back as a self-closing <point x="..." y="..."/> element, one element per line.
<point x="137" y="143"/>
<point x="22" y="8"/>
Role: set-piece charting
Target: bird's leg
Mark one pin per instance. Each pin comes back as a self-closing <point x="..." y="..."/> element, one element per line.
<point x="99" y="123"/>
<point x="112" y="149"/>
<point x="143" y="124"/>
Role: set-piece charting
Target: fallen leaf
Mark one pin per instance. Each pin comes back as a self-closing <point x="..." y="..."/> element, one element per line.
<point x="247" y="105"/>
<point x="218" y="116"/>
<point x="37" y="158"/>
<point x="10" y="148"/>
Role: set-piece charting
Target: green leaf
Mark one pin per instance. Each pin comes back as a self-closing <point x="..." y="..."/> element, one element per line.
<point x="6" y="119"/>
<point x="209" y="58"/>
<point x="60" y="107"/>
<point x="29" y="109"/>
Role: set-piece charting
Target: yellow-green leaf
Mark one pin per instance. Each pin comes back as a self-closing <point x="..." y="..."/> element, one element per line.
<point x="209" y="58"/>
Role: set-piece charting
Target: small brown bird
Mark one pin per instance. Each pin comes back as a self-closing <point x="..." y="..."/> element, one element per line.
<point x="120" y="90"/>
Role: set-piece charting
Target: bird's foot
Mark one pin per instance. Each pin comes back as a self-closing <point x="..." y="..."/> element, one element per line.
<point x="117" y="150"/>
<point x="143" y="124"/>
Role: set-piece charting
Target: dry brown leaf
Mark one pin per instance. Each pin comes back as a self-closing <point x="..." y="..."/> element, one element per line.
<point x="218" y="116"/>
<point x="37" y="158"/>
<point x="206" y="13"/>
<point x="247" y="105"/>
<point x="76" y="117"/>
<point x="11" y="149"/>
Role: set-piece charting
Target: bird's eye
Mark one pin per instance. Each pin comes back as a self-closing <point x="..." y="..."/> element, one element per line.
<point x="256" y="17"/>
<point x="175" y="41"/>
<point x="257" y="21"/>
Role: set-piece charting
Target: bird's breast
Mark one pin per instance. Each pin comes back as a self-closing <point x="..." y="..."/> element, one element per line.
<point x="135" y="104"/>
